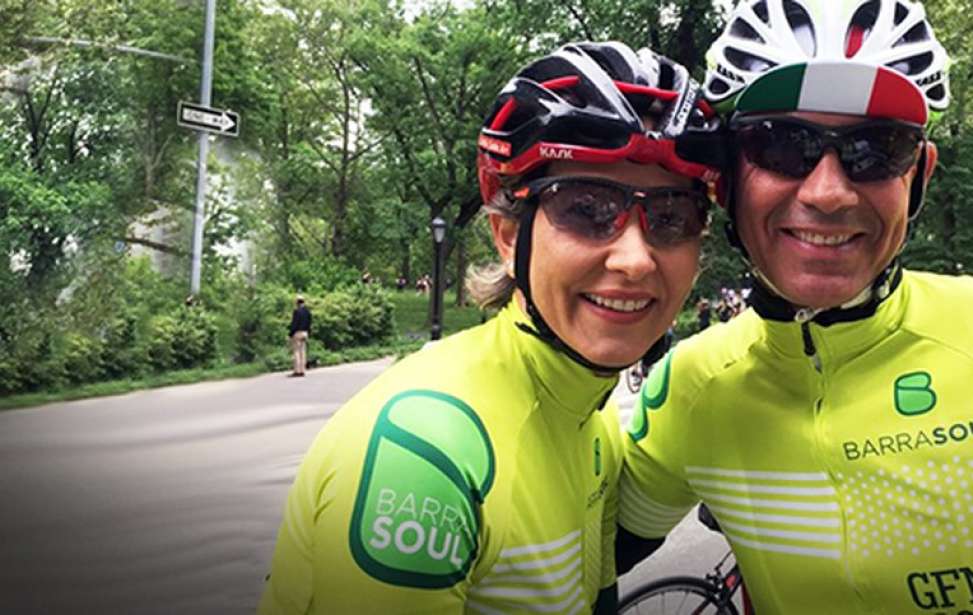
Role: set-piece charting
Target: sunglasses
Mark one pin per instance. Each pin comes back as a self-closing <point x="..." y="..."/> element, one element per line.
<point x="598" y="209"/>
<point x="870" y="151"/>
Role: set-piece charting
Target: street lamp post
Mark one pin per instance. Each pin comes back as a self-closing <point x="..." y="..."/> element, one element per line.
<point x="438" y="237"/>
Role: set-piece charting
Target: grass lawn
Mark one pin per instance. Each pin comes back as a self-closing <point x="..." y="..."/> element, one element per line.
<point x="412" y="311"/>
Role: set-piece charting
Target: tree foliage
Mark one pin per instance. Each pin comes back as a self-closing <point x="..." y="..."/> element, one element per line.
<point x="359" y="127"/>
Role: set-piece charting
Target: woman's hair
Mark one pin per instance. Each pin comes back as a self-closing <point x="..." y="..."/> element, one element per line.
<point x="490" y="285"/>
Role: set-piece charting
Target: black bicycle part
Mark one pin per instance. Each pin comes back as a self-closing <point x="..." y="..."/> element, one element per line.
<point x="680" y="595"/>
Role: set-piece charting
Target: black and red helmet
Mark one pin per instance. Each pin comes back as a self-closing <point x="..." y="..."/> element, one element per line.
<point x="586" y="102"/>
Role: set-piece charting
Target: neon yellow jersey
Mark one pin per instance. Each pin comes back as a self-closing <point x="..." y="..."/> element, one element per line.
<point x="844" y="490"/>
<point x="476" y="476"/>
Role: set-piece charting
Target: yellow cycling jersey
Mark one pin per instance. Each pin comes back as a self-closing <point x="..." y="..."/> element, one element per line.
<point x="842" y="480"/>
<point x="476" y="476"/>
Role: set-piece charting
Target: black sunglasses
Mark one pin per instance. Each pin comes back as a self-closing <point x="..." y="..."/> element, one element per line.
<point x="870" y="151"/>
<point x="598" y="209"/>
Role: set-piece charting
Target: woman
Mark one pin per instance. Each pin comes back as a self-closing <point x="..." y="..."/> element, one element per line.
<point x="479" y="475"/>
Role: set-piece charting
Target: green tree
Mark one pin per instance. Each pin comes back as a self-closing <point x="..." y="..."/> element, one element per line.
<point x="431" y="82"/>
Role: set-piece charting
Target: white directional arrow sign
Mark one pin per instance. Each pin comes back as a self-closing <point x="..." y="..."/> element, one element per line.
<point x="217" y="121"/>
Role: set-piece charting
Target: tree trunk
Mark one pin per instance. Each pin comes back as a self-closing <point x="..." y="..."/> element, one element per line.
<point x="405" y="270"/>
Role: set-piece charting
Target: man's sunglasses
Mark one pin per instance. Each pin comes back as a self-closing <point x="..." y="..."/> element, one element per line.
<point x="871" y="151"/>
<point x="598" y="209"/>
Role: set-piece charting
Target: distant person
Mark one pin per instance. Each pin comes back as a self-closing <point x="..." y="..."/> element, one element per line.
<point x="366" y="277"/>
<point x="724" y="310"/>
<point x="300" y="329"/>
<point x="703" y="314"/>
<point x="479" y="475"/>
<point x="400" y="283"/>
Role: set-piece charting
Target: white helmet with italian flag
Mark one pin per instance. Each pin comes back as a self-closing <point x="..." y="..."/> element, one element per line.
<point x="877" y="58"/>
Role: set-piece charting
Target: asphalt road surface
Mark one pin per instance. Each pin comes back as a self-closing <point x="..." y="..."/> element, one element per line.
<point x="168" y="501"/>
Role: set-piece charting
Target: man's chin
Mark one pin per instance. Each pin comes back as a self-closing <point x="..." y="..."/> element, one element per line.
<point x="821" y="294"/>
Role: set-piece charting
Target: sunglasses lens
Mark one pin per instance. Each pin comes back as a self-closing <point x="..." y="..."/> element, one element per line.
<point x="872" y="152"/>
<point x="595" y="210"/>
<point x="675" y="216"/>
<point x="586" y="209"/>
<point x="787" y="149"/>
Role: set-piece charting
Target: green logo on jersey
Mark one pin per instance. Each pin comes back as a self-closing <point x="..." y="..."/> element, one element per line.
<point x="655" y="391"/>
<point x="914" y="394"/>
<point x="428" y="468"/>
<point x="597" y="456"/>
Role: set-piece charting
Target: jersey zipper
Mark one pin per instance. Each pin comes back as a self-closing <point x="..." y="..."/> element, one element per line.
<point x="804" y="316"/>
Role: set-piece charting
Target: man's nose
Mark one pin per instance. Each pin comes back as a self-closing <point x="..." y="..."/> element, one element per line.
<point x="828" y="188"/>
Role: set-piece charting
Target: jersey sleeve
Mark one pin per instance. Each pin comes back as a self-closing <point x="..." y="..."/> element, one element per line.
<point x="653" y="493"/>
<point x="399" y="525"/>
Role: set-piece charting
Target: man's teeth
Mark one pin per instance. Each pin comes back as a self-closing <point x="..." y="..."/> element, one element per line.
<point x="822" y="240"/>
<point x="619" y="305"/>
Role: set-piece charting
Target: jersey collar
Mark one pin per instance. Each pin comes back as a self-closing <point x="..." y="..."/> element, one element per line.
<point x="561" y="382"/>
<point x="839" y="341"/>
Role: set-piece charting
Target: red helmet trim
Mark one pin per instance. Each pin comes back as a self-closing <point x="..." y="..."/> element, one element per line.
<point x="633" y="88"/>
<point x="639" y="149"/>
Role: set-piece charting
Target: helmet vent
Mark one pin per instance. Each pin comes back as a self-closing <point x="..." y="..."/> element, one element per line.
<point x="718" y="87"/>
<point x="760" y="10"/>
<point x="802" y="27"/>
<point x="860" y="27"/>
<point x="914" y="65"/>
<point x="901" y="12"/>
<point x="916" y="34"/>
<point x="937" y="93"/>
<point x="520" y="116"/>
<point x="866" y="15"/>
<point x="747" y="61"/>
<point x="744" y="30"/>
<point x="571" y="97"/>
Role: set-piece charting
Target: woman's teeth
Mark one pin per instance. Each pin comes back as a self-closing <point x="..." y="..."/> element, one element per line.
<point x="619" y="305"/>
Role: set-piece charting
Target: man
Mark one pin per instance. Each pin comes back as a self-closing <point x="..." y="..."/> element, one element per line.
<point x="828" y="428"/>
<point x="299" y="330"/>
<point x="703" y="314"/>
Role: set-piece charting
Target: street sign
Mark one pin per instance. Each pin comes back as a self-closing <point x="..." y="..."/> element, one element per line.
<point x="217" y="121"/>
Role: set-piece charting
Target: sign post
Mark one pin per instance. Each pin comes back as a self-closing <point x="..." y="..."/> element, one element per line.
<point x="205" y="94"/>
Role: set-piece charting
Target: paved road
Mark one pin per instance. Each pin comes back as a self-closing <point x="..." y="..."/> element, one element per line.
<point x="168" y="501"/>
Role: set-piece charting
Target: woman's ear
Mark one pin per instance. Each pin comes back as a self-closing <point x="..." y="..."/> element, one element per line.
<point x="932" y="156"/>
<point x="505" y="239"/>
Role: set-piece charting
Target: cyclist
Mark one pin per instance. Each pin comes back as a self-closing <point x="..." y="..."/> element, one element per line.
<point x="480" y="474"/>
<point x="827" y="428"/>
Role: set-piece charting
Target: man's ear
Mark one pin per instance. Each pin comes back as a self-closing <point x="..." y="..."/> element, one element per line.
<point x="505" y="239"/>
<point x="932" y="156"/>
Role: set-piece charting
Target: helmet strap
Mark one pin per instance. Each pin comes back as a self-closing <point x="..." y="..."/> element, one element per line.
<point x="918" y="189"/>
<point x="541" y="329"/>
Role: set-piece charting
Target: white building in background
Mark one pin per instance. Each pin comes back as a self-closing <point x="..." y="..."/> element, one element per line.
<point x="173" y="229"/>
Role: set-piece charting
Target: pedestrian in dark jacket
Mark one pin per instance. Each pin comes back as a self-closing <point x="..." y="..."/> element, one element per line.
<point x="300" y="329"/>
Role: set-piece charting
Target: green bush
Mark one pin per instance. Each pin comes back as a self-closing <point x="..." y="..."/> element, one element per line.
<point x="262" y="319"/>
<point x="121" y="355"/>
<point x="181" y="340"/>
<point x="355" y="316"/>
<point x="83" y="358"/>
<point x="30" y="362"/>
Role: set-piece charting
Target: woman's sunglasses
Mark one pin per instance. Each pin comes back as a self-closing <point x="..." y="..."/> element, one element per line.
<point x="598" y="209"/>
<point x="871" y="151"/>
